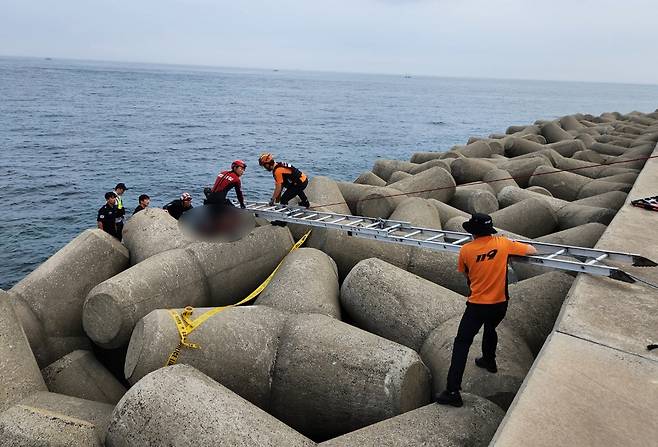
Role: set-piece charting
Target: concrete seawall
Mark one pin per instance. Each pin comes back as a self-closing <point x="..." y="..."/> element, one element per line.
<point x="594" y="381"/>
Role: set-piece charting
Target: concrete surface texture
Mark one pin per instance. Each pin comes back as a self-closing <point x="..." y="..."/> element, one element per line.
<point x="19" y="373"/>
<point x="150" y="232"/>
<point x="179" y="405"/>
<point x="23" y="426"/>
<point x="55" y="291"/>
<point x="324" y="190"/>
<point x="319" y="375"/>
<point x="306" y="282"/>
<point x="200" y="275"/>
<point x="432" y="425"/>
<point x="80" y="374"/>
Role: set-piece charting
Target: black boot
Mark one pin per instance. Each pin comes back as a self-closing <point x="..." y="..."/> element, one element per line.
<point x="488" y="365"/>
<point x="450" y="398"/>
<point x="305" y="204"/>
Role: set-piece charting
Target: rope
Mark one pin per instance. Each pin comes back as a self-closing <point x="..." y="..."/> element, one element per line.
<point x="186" y="325"/>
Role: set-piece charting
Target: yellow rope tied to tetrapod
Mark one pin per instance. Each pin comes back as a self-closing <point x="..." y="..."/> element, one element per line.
<point x="186" y="325"/>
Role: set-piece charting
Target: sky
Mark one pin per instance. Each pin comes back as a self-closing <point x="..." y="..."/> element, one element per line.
<point x="581" y="40"/>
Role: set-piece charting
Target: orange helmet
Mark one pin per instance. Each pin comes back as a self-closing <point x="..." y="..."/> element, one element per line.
<point x="265" y="158"/>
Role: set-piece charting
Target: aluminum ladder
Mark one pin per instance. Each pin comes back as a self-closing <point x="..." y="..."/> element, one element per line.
<point x="583" y="260"/>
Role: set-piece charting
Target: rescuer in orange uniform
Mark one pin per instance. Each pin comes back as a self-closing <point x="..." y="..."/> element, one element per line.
<point x="484" y="262"/>
<point x="287" y="177"/>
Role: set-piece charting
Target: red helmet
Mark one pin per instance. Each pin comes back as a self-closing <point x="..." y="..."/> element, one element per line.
<point x="239" y="163"/>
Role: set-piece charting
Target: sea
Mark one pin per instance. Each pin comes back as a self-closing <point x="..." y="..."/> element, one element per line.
<point x="71" y="130"/>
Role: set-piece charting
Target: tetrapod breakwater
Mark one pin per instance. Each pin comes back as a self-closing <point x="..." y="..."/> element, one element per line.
<point x="138" y="343"/>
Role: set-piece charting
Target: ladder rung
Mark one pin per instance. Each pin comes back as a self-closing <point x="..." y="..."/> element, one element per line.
<point x="353" y="223"/>
<point x="434" y="237"/>
<point x="323" y="218"/>
<point x="391" y="228"/>
<point x="374" y="224"/>
<point x="595" y="260"/>
<point x="298" y="214"/>
<point x="557" y="253"/>
<point x="309" y="216"/>
<point x="464" y="239"/>
<point x="338" y="220"/>
<point x="413" y="233"/>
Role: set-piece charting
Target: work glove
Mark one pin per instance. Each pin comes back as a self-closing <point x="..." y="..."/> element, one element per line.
<point x="271" y="203"/>
<point x="242" y="206"/>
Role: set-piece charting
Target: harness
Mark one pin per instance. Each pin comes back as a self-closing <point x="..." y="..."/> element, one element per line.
<point x="293" y="178"/>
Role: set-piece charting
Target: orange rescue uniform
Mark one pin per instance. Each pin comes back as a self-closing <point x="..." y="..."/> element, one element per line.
<point x="484" y="260"/>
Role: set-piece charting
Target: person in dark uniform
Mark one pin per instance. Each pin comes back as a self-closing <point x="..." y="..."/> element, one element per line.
<point x="227" y="180"/>
<point x="144" y="201"/>
<point x="177" y="207"/>
<point x="107" y="215"/>
<point x="287" y="177"/>
<point x="484" y="262"/>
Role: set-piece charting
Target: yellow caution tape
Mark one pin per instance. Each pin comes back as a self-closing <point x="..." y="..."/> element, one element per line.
<point x="186" y="325"/>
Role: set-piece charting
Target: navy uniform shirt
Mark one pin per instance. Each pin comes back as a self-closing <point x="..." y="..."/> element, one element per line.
<point x="107" y="215"/>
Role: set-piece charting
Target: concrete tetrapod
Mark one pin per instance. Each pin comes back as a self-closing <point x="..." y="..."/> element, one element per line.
<point x="319" y="375"/>
<point x="23" y="426"/>
<point x="49" y="300"/>
<point x="202" y="274"/>
<point x="553" y="133"/>
<point x="388" y="301"/>
<point x="347" y="251"/>
<point x="384" y="168"/>
<point x="419" y="212"/>
<point x="379" y="202"/>
<point x="569" y="214"/>
<point x="19" y="373"/>
<point x="179" y="405"/>
<point x="95" y="413"/>
<point x="352" y="193"/>
<point x="369" y="178"/>
<point x="397" y="176"/>
<point x="79" y="374"/>
<point x="306" y="282"/>
<point x="512" y="356"/>
<point x="531" y="218"/>
<point x="150" y="232"/>
<point x="474" y="200"/>
<point x="466" y="170"/>
<point x="447" y="212"/>
<point x="521" y="169"/>
<point x="445" y="164"/>
<point x="422" y="157"/>
<point x="472" y="425"/>
<point x="498" y="179"/>
<point x="434" y="183"/>
<point x="324" y="192"/>
<point x="534" y="306"/>
<point x="612" y="200"/>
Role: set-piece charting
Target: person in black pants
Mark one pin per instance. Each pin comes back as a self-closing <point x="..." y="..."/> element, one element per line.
<point x="287" y="178"/>
<point x="484" y="262"/>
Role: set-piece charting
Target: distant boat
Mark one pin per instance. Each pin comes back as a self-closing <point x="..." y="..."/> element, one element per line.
<point x="407" y="76"/>
<point x="49" y="58"/>
<point x="276" y="69"/>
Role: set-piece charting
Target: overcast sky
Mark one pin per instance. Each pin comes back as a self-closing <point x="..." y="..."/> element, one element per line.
<point x="584" y="40"/>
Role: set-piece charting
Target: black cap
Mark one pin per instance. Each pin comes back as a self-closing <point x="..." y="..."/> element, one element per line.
<point x="479" y="223"/>
<point x="121" y="186"/>
<point x="109" y="194"/>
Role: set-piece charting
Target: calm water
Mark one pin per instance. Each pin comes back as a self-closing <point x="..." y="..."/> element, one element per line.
<point x="70" y="130"/>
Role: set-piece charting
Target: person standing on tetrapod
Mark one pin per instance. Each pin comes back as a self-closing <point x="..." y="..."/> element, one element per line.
<point x="287" y="177"/>
<point x="484" y="262"/>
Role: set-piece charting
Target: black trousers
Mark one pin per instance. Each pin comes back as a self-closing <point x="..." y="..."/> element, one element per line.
<point x="475" y="316"/>
<point x="295" y="190"/>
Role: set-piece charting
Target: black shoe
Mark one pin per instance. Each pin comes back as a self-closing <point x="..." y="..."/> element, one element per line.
<point x="489" y="366"/>
<point x="450" y="398"/>
<point x="305" y="204"/>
